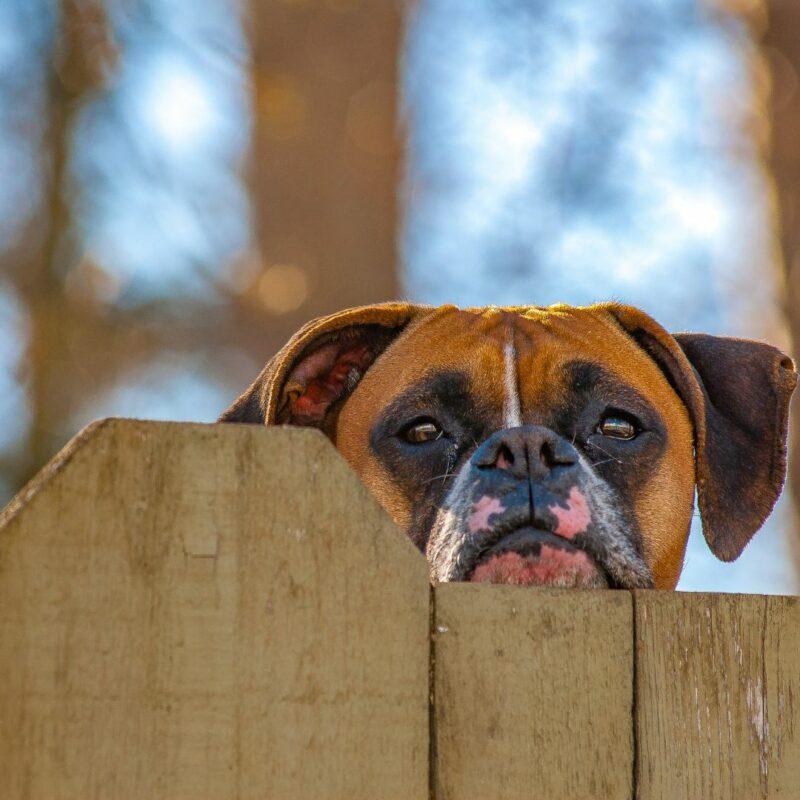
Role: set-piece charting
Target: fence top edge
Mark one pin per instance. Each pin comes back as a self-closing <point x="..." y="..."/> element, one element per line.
<point x="314" y="444"/>
<point x="227" y="428"/>
<point x="109" y="426"/>
<point x="657" y="596"/>
<point x="46" y="474"/>
<point x="662" y="596"/>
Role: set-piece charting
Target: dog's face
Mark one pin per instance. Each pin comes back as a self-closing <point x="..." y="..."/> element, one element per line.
<point x="556" y="446"/>
<point x="543" y="447"/>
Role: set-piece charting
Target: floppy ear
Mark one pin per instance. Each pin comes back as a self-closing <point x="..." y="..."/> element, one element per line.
<point x="737" y="392"/>
<point x="313" y="374"/>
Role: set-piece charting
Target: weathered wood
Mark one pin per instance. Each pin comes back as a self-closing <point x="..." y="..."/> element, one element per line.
<point x="209" y="612"/>
<point x="199" y="612"/>
<point x="533" y="693"/>
<point x="717" y="696"/>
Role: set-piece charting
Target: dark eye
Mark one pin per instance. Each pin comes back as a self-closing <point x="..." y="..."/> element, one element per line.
<point x="616" y="427"/>
<point x="422" y="431"/>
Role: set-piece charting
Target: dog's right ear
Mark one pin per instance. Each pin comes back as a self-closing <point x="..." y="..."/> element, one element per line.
<point x="737" y="394"/>
<point x="308" y="380"/>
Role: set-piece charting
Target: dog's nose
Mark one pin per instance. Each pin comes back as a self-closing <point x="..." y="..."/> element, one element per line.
<point x="531" y="450"/>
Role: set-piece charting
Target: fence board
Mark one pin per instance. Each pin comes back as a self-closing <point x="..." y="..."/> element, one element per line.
<point x="198" y="611"/>
<point x="533" y="693"/>
<point x="717" y="691"/>
<point x="195" y="612"/>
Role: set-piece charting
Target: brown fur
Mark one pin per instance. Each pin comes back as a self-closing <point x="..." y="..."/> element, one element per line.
<point x="723" y="402"/>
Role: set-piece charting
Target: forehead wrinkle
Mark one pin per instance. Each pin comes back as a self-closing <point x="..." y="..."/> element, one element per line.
<point x="551" y="341"/>
<point x="538" y="357"/>
<point x="548" y="342"/>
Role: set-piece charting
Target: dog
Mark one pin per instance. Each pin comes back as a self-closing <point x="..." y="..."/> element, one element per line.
<point x="541" y="446"/>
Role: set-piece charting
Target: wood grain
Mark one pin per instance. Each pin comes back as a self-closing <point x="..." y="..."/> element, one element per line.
<point x="533" y="693"/>
<point x="718" y="696"/>
<point x="209" y="612"/>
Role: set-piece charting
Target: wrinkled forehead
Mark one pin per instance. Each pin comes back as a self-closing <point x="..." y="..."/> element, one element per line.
<point x="544" y="348"/>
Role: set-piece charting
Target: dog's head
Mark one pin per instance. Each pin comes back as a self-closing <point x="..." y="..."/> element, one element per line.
<point x="558" y="446"/>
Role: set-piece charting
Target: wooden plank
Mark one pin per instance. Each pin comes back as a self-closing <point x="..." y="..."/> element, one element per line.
<point x="717" y="696"/>
<point x="533" y="692"/>
<point x="209" y="612"/>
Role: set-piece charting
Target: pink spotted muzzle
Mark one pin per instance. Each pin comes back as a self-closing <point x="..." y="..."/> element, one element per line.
<point x="528" y="510"/>
<point x="531" y="556"/>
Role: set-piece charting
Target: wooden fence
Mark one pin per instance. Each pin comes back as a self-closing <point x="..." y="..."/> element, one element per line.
<point x="196" y="612"/>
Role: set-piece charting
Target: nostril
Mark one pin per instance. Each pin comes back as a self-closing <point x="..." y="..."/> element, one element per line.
<point x="546" y="454"/>
<point x="553" y="455"/>
<point x="505" y="458"/>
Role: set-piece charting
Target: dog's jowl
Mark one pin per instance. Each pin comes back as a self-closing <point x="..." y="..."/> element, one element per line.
<point x="554" y="446"/>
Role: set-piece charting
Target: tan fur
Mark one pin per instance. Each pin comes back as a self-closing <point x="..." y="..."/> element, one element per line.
<point x="546" y="339"/>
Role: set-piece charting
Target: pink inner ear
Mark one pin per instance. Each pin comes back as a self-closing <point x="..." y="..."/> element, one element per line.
<point x="325" y="375"/>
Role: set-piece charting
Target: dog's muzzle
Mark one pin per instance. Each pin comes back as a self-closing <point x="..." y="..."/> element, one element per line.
<point x="527" y="509"/>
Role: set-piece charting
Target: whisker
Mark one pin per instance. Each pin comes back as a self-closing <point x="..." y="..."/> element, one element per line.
<point x="442" y="478"/>
<point x="448" y="471"/>
<point x="613" y="458"/>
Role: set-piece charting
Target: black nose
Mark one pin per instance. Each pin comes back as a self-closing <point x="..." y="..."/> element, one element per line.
<point x="531" y="450"/>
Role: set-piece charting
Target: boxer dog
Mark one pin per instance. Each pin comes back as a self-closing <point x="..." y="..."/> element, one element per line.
<point x="554" y="446"/>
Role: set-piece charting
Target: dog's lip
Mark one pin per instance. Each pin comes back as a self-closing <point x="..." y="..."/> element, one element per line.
<point x="523" y="539"/>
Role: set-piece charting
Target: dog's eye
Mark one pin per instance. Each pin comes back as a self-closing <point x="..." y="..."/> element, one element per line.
<point x="422" y="432"/>
<point x="616" y="427"/>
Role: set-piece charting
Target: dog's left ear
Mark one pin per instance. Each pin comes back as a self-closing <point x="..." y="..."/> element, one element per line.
<point x="737" y="392"/>
<point x="313" y="374"/>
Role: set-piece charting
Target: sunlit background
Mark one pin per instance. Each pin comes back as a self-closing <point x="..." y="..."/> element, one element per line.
<point x="184" y="182"/>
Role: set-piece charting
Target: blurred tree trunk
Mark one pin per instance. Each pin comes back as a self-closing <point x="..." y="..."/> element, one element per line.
<point x="326" y="156"/>
<point x="69" y="344"/>
<point x="80" y="58"/>
<point x="781" y="43"/>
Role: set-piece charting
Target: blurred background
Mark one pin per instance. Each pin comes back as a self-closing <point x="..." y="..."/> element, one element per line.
<point x="183" y="183"/>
